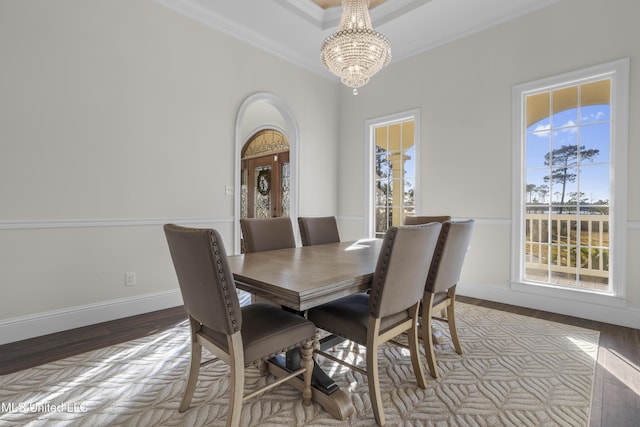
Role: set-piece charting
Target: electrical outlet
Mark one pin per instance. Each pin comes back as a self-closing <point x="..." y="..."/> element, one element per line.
<point x="228" y="190"/>
<point x="129" y="279"/>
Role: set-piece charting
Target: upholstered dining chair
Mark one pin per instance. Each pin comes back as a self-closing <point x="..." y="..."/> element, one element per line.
<point x="240" y="336"/>
<point x="318" y="230"/>
<point x="415" y="220"/>
<point x="390" y="309"/>
<point x="265" y="234"/>
<point x="440" y="288"/>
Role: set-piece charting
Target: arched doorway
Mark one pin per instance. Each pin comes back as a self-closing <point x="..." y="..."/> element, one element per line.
<point x="264" y="112"/>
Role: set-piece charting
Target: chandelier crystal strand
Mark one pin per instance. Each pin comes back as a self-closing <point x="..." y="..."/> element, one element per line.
<point x="356" y="52"/>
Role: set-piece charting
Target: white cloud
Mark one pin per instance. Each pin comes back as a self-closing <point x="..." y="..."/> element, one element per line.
<point x="570" y="127"/>
<point x="593" y="117"/>
<point x="542" y="131"/>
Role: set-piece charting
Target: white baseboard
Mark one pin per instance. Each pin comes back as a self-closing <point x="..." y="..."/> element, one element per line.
<point x="20" y="328"/>
<point x="616" y="315"/>
<point x="31" y="326"/>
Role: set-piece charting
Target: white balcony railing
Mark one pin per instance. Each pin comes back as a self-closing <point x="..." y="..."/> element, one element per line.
<point x="570" y="244"/>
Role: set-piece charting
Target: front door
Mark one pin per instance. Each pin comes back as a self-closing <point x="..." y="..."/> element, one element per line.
<point x="268" y="185"/>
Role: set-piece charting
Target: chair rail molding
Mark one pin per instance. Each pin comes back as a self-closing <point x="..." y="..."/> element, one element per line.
<point x="107" y="222"/>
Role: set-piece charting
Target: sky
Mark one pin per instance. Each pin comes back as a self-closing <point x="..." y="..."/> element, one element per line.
<point x="591" y="130"/>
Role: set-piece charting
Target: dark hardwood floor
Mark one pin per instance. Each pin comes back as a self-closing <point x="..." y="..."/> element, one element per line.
<point x="48" y="348"/>
<point x="616" y="394"/>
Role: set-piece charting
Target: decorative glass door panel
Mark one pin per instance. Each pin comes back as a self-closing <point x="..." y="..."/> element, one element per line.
<point x="262" y="192"/>
<point x="268" y="189"/>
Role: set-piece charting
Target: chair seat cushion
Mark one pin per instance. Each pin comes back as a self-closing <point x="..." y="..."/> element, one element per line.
<point x="440" y="297"/>
<point x="268" y="330"/>
<point x="348" y="317"/>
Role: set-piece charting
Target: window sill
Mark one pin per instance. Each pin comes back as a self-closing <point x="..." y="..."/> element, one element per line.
<point x="573" y="295"/>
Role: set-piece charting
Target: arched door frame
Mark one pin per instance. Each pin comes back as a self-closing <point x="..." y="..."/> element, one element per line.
<point x="291" y="133"/>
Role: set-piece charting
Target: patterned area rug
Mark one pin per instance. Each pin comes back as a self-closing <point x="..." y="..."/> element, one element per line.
<point x="515" y="371"/>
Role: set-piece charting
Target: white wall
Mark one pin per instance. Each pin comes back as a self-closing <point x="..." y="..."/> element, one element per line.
<point x="463" y="90"/>
<point x="116" y="117"/>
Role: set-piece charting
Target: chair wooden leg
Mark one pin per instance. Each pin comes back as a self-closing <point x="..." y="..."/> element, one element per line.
<point x="414" y="349"/>
<point x="237" y="380"/>
<point x="451" y="320"/>
<point x="427" y="336"/>
<point x="307" y="363"/>
<point x="372" y="371"/>
<point x="194" y="369"/>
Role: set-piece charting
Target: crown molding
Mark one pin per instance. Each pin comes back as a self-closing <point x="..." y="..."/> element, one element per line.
<point x="328" y="18"/>
<point x="192" y="10"/>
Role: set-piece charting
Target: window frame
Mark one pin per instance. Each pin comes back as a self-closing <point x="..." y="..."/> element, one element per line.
<point x="618" y="71"/>
<point x="370" y="179"/>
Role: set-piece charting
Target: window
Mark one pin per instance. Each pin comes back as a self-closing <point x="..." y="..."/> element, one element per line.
<point x="570" y="180"/>
<point x="393" y="172"/>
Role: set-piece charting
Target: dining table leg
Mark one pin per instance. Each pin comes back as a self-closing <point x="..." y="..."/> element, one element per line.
<point x="337" y="402"/>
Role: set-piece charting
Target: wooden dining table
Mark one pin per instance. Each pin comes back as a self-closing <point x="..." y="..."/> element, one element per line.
<point x="304" y="277"/>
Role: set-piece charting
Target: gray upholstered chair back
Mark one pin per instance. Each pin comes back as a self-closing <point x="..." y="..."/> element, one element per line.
<point x="402" y="268"/>
<point x="318" y="230"/>
<point x="267" y="234"/>
<point x="449" y="256"/>
<point x="415" y="220"/>
<point x="205" y="278"/>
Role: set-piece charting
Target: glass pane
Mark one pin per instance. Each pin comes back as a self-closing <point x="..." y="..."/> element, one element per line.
<point x="536" y="257"/>
<point x="563" y="154"/>
<point x="564" y="107"/>
<point x="262" y="191"/>
<point x="395" y="138"/>
<point x="382" y="136"/>
<point x="409" y="194"/>
<point x="565" y="228"/>
<point x="382" y="220"/>
<point x="595" y="113"/>
<point x="408" y="165"/>
<point x="381" y="163"/>
<point x="537" y="190"/>
<point x="595" y="99"/>
<point x="537" y="111"/>
<point x="565" y="147"/>
<point x="594" y="185"/>
<point x="596" y="140"/>
<point x="382" y="192"/>
<point x="284" y="190"/>
<point x="244" y="193"/>
<point x="390" y="190"/>
<point x="396" y="216"/>
<point x="563" y="183"/>
<point x="599" y="230"/>
<point x="537" y="147"/>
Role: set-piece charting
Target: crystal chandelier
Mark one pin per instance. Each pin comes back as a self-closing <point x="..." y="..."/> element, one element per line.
<point x="356" y="52"/>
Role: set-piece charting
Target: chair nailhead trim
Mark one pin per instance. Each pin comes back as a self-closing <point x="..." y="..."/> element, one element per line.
<point x="223" y="282"/>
